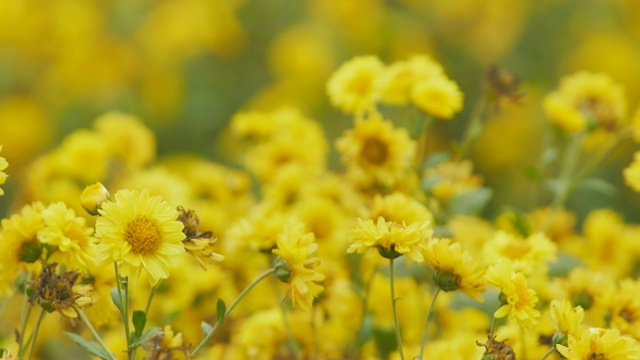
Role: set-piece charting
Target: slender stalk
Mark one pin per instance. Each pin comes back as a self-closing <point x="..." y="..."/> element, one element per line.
<point x="93" y="331"/>
<point x="6" y="302"/>
<point x="124" y="310"/>
<point x="426" y="323"/>
<point x="523" y="354"/>
<point x="233" y="305"/>
<point x="291" y="342"/>
<point x="393" y="306"/>
<point x="24" y="318"/>
<point x="473" y="127"/>
<point x="492" y="330"/>
<point x="548" y="353"/>
<point x="151" y="294"/>
<point x="35" y="332"/>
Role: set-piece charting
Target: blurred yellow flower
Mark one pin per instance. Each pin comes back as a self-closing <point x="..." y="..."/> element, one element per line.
<point x="599" y="343"/>
<point x="398" y="79"/>
<point x="129" y="141"/>
<point x="437" y="96"/>
<point x="566" y="318"/>
<point x="139" y="232"/>
<point x="455" y="269"/>
<point x="586" y="101"/>
<point x="391" y="239"/>
<point x="352" y="88"/>
<point x="3" y="176"/>
<point x="632" y="173"/>
<point x="295" y="247"/>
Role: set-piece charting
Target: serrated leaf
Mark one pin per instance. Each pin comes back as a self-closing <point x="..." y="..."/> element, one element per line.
<point x="206" y="328"/>
<point x="436" y="159"/>
<point x="147" y="335"/>
<point x="222" y="310"/>
<point x="471" y="202"/>
<point x="90" y="346"/>
<point x="139" y="321"/>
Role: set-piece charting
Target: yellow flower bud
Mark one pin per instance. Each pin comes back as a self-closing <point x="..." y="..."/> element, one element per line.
<point x="93" y="196"/>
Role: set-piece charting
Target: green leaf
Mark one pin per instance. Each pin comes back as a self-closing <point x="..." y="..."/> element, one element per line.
<point x="139" y="321"/>
<point x="598" y="185"/>
<point x="147" y="335"/>
<point x="532" y="172"/>
<point x="436" y="159"/>
<point x="366" y="331"/>
<point x="471" y="202"/>
<point x="222" y="310"/>
<point x="549" y="156"/>
<point x="206" y="328"/>
<point x="116" y="299"/>
<point x="90" y="346"/>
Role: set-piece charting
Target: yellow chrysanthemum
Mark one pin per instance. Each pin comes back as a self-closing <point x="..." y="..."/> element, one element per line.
<point x="352" y="88"/>
<point x="398" y="207"/>
<point x="69" y="234"/>
<point x="437" y="96"/>
<point x="566" y="318"/>
<point x="397" y="80"/>
<point x="632" y="173"/>
<point x="451" y="179"/>
<point x="518" y="300"/>
<point x="391" y="239"/>
<point x="295" y="247"/>
<point x="139" y="232"/>
<point x="3" y="176"/>
<point x="455" y="268"/>
<point x="376" y="151"/>
<point x="20" y="244"/>
<point x="128" y="139"/>
<point x="527" y="255"/>
<point x="599" y="343"/>
<point x="586" y="100"/>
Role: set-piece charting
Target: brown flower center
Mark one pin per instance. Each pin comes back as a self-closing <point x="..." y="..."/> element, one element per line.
<point x="374" y="151"/>
<point x="143" y="235"/>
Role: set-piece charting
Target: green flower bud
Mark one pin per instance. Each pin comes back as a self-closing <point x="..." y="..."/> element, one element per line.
<point x="283" y="271"/>
<point x="445" y="280"/>
<point x="388" y="253"/>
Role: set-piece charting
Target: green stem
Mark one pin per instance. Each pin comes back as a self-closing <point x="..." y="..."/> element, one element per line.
<point x="594" y="161"/>
<point x="492" y="330"/>
<point x="233" y="305"/>
<point x="473" y="127"/>
<point x="35" y="332"/>
<point x="426" y="323"/>
<point x="93" y="331"/>
<point x="124" y="309"/>
<point x="393" y="306"/>
<point x="24" y="317"/>
<point x="291" y="342"/>
<point x="548" y="353"/>
<point x="151" y="294"/>
<point x="6" y="302"/>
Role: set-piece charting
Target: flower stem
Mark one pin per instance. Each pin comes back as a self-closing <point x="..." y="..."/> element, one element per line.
<point x="35" y="332"/>
<point x="233" y="305"/>
<point x="426" y="323"/>
<point x="474" y="126"/>
<point x="393" y="306"/>
<point x="93" y="331"/>
<point x="24" y="317"/>
<point x="151" y="294"/>
<point x="6" y="302"/>
<point x="548" y="353"/>
<point x="124" y="307"/>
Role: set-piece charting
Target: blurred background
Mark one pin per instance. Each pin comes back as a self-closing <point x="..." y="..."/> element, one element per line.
<point x="185" y="67"/>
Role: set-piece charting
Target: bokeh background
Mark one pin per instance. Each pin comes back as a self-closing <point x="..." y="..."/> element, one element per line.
<point x="185" y="67"/>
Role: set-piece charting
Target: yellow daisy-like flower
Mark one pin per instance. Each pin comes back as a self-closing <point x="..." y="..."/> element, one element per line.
<point x="455" y="268"/>
<point x="437" y="96"/>
<point x="632" y="173"/>
<point x="69" y="234"/>
<point x="3" y="176"/>
<point x="296" y="265"/>
<point x="375" y="150"/>
<point x="518" y="300"/>
<point x="139" y="232"/>
<point x="397" y="80"/>
<point x="585" y="100"/>
<point x="352" y="88"/>
<point x="391" y="239"/>
<point x="599" y="343"/>
<point x="566" y="318"/>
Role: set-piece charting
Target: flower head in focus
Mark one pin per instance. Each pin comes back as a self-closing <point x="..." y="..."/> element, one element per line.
<point x="517" y="299"/>
<point x="139" y="232"/>
<point x="599" y="343"/>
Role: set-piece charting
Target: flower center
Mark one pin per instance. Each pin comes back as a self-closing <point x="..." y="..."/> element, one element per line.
<point x="143" y="235"/>
<point x="374" y="151"/>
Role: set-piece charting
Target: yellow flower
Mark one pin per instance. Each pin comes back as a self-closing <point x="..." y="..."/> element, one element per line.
<point x="295" y="248"/>
<point x="391" y="239"/>
<point x="352" y="88"/>
<point x="93" y="196"/>
<point x="632" y="173"/>
<point x="566" y="318"/>
<point x="527" y="255"/>
<point x="128" y="139"/>
<point x="139" y="232"/>
<point x="3" y="176"/>
<point x="20" y="244"/>
<point x="69" y="234"/>
<point x="586" y="101"/>
<point x="437" y="96"/>
<point x="599" y="343"/>
<point x="451" y="179"/>
<point x="376" y="151"/>
<point x="518" y="300"/>
<point x="455" y="268"/>
<point x="623" y="308"/>
<point x="399" y="208"/>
